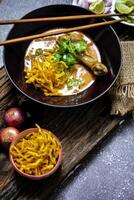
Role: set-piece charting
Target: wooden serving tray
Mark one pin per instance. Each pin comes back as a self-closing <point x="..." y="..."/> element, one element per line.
<point x="79" y="130"/>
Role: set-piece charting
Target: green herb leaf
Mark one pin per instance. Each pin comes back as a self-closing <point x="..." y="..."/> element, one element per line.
<point x="69" y="59"/>
<point x="70" y="84"/>
<point x="78" y="81"/>
<point x="63" y="45"/>
<point x="68" y="49"/>
<point x="57" y="57"/>
<point x="38" y="52"/>
<point x="80" y="45"/>
<point x="73" y="82"/>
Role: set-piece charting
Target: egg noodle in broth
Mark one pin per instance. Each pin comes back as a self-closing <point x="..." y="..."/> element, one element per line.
<point x="63" y="64"/>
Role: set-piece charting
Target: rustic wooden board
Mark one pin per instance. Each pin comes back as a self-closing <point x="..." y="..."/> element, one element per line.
<point x="79" y="130"/>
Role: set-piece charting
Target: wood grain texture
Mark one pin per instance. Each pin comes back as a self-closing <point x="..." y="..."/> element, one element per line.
<point x="58" y="31"/>
<point x="6" y="93"/>
<point x="63" y="18"/>
<point x="79" y="130"/>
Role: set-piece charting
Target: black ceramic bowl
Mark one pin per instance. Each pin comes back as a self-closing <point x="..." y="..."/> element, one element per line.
<point x="104" y="37"/>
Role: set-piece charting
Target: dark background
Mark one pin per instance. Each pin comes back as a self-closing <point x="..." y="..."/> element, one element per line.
<point x="107" y="173"/>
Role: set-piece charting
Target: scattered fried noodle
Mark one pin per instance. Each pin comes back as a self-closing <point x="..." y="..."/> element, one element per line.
<point x="46" y="74"/>
<point x="37" y="153"/>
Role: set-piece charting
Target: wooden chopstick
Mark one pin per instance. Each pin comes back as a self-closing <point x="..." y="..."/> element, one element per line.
<point x="58" y="31"/>
<point x="63" y="18"/>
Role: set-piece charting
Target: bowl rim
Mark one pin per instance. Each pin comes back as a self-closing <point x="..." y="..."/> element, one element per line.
<point x="74" y="105"/>
<point x="35" y="177"/>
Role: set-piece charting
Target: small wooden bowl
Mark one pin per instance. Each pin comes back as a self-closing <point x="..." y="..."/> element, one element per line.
<point x="35" y="177"/>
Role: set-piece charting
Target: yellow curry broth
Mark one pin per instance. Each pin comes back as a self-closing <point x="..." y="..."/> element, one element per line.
<point x="57" y="78"/>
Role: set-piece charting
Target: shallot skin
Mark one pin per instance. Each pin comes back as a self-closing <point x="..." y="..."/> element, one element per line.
<point x="14" y="117"/>
<point x="7" y="135"/>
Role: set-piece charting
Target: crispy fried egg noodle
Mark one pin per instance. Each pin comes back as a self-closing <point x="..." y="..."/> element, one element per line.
<point x="37" y="153"/>
<point x="64" y="64"/>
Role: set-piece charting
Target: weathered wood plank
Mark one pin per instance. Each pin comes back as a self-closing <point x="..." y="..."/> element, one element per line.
<point x="79" y="130"/>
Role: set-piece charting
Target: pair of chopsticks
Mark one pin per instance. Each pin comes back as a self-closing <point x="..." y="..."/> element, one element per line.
<point x="57" y="31"/>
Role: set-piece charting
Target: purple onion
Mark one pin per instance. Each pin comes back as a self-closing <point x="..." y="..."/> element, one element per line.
<point x="86" y="4"/>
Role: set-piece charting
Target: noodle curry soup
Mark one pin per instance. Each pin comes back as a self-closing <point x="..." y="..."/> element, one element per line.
<point x="63" y="64"/>
<point x="36" y="153"/>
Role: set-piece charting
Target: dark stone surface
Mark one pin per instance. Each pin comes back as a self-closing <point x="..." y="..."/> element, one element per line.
<point x="108" y="172"/>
